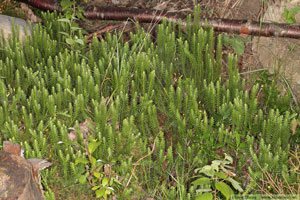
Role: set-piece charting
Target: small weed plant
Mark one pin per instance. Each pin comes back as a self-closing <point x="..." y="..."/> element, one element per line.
<point x="216" y="179"/>
<point x="289" y="15"/>
<point x="98" y="174"/>
<point x="72" y="13"/>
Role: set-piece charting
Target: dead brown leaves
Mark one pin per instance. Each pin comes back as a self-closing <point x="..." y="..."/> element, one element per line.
<point x="84" y="129"/>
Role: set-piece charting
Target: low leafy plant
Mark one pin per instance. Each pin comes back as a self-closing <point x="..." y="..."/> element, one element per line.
<point x="237" y="43"/>
<point x="269" y="85"/>
<point x="98" y="175"/>
<point x="289" y="15"/>
<point x="71" y="15"/>
<point x="218" y="177"/>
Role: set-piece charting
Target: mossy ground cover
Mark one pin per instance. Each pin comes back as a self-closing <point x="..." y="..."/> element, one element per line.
<point x="135" y="119"/>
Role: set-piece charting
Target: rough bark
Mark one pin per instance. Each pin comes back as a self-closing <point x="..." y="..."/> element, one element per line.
<point x="17" y="179"/>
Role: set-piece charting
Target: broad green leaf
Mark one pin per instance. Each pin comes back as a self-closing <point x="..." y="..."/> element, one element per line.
<point x="81" y="160"/>
<point x="95" y="180"/>
<point x="291" y="14"/>
<point x="202" y="181"/>
<point x="237" y="43"/>
<point x="235" y="184"/>
<point x="96" y="187"/>
<point x="79" y="41"/>
<point x="207" y="170"/>
<point x="69" y="15"/>
<point x="215" y="164"/>
<point x="224" y="189"/>
<point x="100" y="193"/>
<point x="97" y="174"/>
<point x="104" y="181"/>
<point x="221" y="175"/>
<point x="204" y="190"/>
<point x="238" y="46"/>
<point x="64" y="33"/>
<point x="64" y="20"/>
<point x="111" y="182"/>
<point x="70" y="41"/>
<point x="229" y="158"/>
<point x="82" y="179"/>
<point x="116" y="181"/>
<point x="74" y="18"/>
<point x="93" y="160"/>
<point x="92" y="146"/>
<point x="74" y="28"/>
<point x="92" y="139"/>
<point x="205" y="196"/>
<point x="67" y="4"/>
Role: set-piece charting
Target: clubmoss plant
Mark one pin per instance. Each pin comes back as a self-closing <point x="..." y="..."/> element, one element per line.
<point x="175" y="89"/>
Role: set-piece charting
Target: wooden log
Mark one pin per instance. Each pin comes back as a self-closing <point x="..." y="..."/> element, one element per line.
<point x="19" y="178"/>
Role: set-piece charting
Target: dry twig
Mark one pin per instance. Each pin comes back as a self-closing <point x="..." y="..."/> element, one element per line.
<point x="139" y="160"/>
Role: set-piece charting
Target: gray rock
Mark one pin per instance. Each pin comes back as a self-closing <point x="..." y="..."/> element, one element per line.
<point x="6" y="26"/>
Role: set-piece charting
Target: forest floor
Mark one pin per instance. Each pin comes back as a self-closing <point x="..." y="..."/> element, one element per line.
<point x="232" y="9"/>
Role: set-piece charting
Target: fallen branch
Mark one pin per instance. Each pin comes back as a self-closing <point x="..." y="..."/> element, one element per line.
<point x="149" y="16"/>
<point x="106" y="29"/>
<point x="46" y="5"/>
<point x="254" y="28"/>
